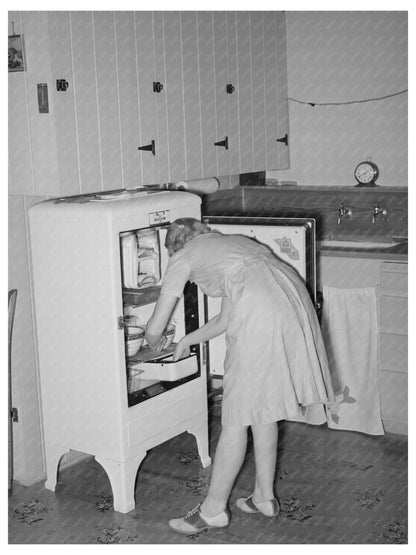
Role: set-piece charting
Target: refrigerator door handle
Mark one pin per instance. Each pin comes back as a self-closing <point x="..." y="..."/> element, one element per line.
<point x="319" y="304"/>
<point x="204" y="353"/>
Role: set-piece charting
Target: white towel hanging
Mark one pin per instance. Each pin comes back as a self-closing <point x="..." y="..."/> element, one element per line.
<point x="349" y="329"/>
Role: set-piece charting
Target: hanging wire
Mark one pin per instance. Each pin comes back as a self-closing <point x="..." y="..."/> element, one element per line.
<point x="347" y="102"/>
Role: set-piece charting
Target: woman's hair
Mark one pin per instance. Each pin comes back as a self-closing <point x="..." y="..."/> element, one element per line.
<point x="183" y="230"/>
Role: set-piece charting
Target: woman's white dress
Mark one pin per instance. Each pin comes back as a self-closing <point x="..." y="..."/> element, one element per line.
<point x="275" y="357"/>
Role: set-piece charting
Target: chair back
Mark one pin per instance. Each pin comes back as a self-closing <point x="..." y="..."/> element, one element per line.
<point x="12" y="310"/>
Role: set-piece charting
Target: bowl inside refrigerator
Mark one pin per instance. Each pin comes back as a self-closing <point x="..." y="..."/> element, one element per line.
<point x="134" y="338"/>
<point x="169" y="335"/>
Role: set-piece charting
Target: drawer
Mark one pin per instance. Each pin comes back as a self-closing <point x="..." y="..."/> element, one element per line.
<point x="394" y="283"/>
<point x="393" y="314"/>
<point x="394" y="396"/>
<point x="393" y="352"/>
<point x="168" y="371"/>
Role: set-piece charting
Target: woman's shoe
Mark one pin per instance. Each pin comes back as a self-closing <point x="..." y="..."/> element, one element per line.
<point x="268" y="508"/>
<point x="195" y="522"/>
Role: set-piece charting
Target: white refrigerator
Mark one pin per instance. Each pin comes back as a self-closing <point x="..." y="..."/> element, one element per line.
<point x="98" y="260"/>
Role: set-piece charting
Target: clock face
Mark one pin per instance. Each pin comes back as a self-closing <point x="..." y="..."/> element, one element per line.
<point x="366" y="173"/>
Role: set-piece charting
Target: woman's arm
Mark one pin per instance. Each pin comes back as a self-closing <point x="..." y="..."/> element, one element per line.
<point x="214" y="327"/>
<point x="159" y="319"/>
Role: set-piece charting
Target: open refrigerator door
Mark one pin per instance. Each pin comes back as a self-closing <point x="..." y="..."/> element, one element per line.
<point x="291" y="239"/>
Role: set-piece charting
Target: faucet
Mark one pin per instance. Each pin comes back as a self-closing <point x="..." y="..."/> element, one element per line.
<point x="343" y="213"/>
<point x="379" y="212"/>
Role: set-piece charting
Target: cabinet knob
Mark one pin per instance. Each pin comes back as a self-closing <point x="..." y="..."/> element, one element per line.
<point x="230" y="88"/>
<point x="150" y="147"/>
<point x="157" y="87"/>
<point x="62" y="85"/>
<point x="223" y="143"/>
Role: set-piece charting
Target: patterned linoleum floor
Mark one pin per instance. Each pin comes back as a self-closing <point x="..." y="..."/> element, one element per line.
<point x="334" y="488"/>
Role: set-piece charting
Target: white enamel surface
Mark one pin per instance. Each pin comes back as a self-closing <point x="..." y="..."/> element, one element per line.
<point x="78" y="294"/>
<point x="357" y="244"/>
<point x="270" y="236"/>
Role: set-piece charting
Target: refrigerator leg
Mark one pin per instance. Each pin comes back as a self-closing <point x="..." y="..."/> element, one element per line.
<point x="199" y="428"/>
<point x="122" y="476"/>
<point x="53" y="454"/>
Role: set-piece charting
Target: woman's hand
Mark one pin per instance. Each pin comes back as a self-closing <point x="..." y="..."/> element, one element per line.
<point x="155" y="327"/>
<point x="159" y="346"/>
<point x="182" y="349"/>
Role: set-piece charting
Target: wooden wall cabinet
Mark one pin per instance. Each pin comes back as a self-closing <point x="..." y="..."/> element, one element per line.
<point x="185" y="80"/>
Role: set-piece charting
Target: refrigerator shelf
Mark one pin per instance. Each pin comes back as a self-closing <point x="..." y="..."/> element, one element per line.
<point x="140" y="297"/>
<point x="147" y="354"/>
<point x="168" y="370"/>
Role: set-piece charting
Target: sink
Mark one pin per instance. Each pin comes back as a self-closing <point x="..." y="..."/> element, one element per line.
<point x="357" y="244"/>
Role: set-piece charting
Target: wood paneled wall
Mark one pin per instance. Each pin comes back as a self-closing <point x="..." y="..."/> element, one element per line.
<point x="89" y="140"/>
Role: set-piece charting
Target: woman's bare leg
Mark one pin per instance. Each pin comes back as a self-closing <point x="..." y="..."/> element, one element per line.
<point x="229" y="457"/>
<point x="265" y="438"/>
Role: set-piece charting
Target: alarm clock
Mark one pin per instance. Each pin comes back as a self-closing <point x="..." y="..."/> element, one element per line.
<point x="366" y="174"/>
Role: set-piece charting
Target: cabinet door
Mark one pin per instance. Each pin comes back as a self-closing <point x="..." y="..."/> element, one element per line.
<point x="170" y="101"/>
<point x="191" y="103"/>
<point x="207" y="93"/>
<point x="161" y="71"/>
<point x="146" y="73"/>
<point x="221" y="101"/>
<point x="108" y="100"/>
<point x="258" y="113"/>
<point x="86" y="101"/>
<point x="258" y="87"/>
<point x="282" y="110"/>
<point x="245" y="92"/>
<point x="233" y="99"/>
<point x="65" y="109"/>
<point x="275" y="89"/>
<point x="132" y="96"/>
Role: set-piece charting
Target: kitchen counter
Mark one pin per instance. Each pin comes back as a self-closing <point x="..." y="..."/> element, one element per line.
<point x="396" y="253"/>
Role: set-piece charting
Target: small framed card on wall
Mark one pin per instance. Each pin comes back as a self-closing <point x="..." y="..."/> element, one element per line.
<point x="16" y="53"/>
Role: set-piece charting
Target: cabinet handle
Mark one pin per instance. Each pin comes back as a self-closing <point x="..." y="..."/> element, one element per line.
<point x="283" y="139"/>
<point x="150" y="147"/>
<point x="223" y="143"/>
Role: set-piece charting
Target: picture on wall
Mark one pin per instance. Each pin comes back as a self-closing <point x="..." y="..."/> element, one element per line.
<point x="16" y="60"/>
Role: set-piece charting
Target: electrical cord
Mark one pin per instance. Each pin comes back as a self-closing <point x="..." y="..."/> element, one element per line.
<point x="313" y="104"/>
